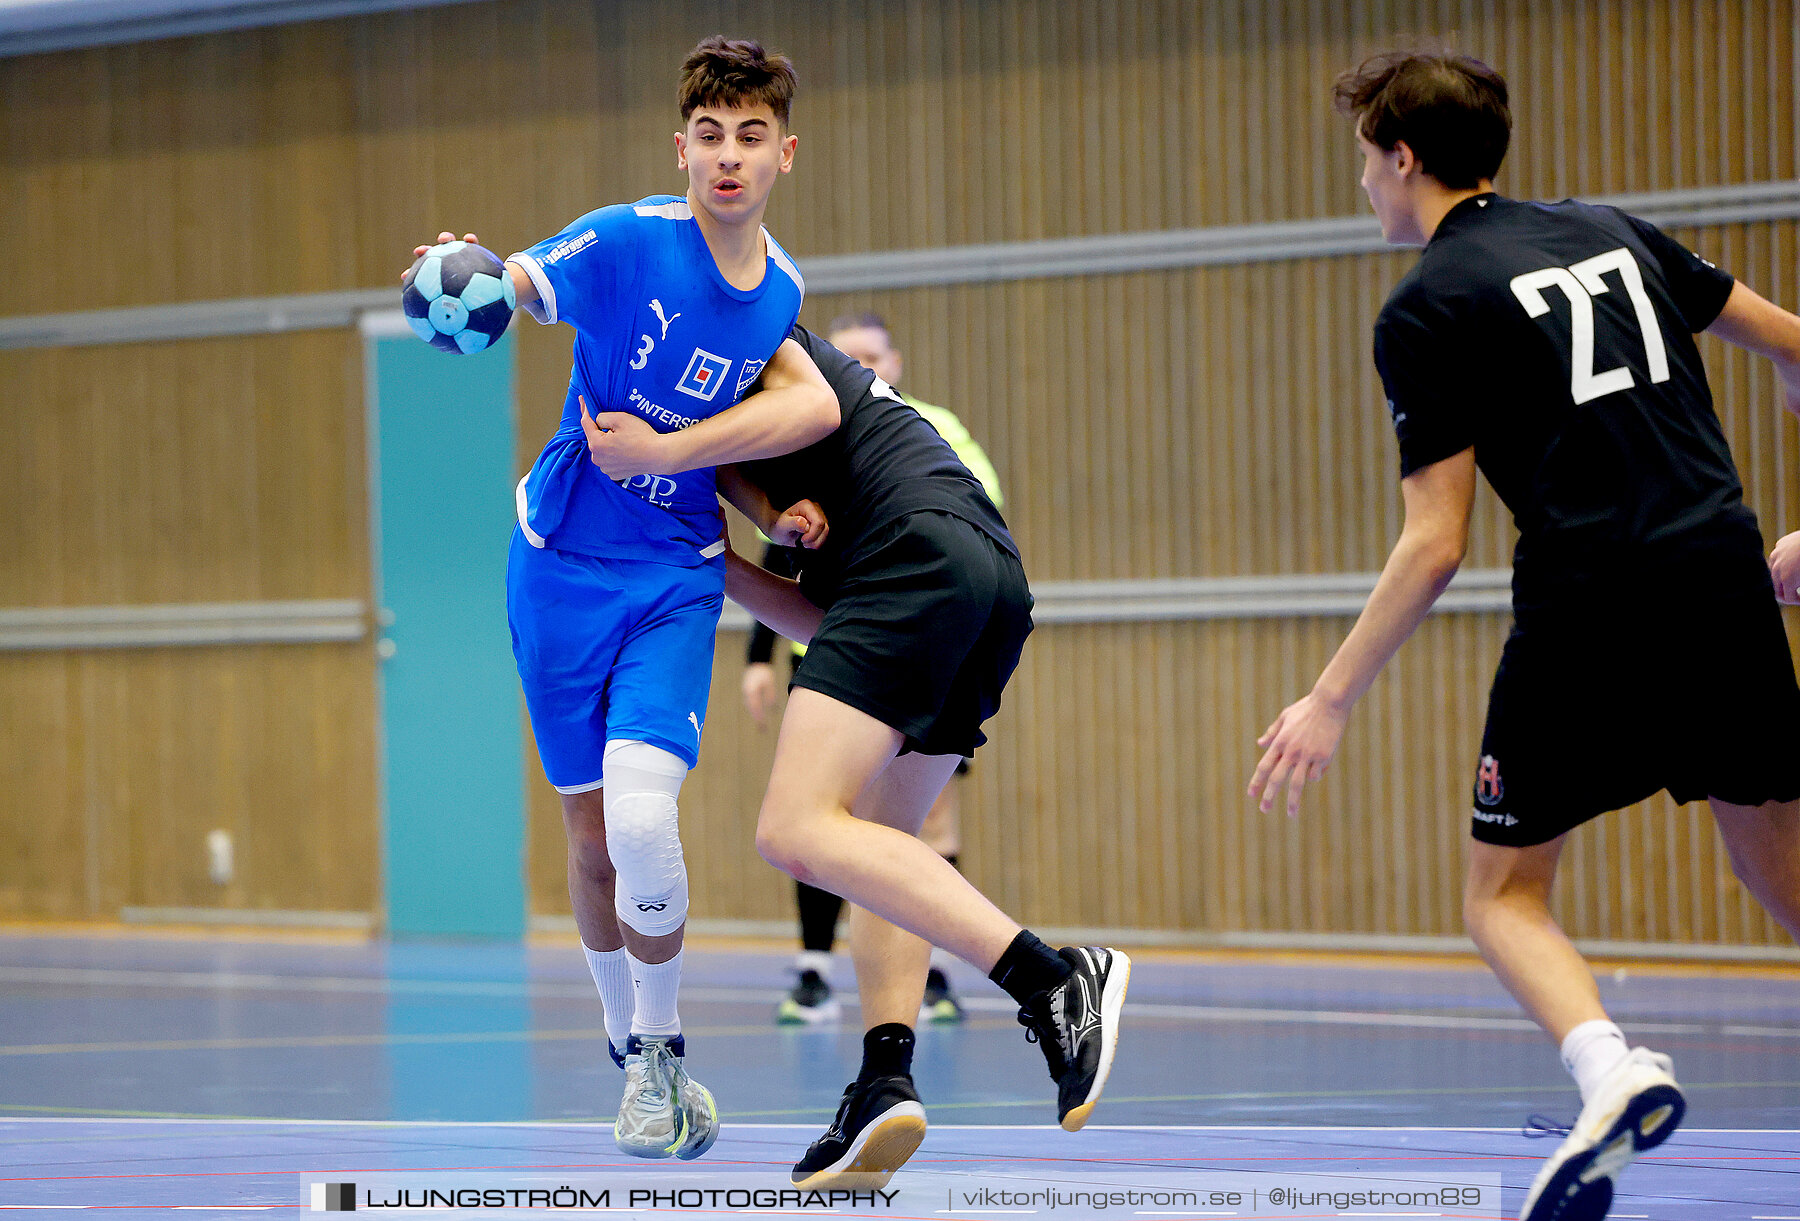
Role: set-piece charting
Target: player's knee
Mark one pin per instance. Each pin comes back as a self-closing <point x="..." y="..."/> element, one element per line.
<point x="584" y="826"/>
<point x="777" y="844"/>
<point x="1772" y="874"/>
<point x="589" y="856"/>
<point x="643" y="837"/>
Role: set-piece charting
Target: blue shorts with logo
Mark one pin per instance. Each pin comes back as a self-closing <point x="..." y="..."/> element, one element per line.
<point x="611" y="649"/>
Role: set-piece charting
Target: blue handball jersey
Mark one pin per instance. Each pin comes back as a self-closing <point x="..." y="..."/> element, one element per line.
<point x="660" y="333"/>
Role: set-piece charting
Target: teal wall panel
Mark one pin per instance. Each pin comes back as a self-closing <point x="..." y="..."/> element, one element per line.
<point x="442" y="437"/>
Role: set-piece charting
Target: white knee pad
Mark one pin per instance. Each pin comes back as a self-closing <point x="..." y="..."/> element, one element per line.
<point x="642" y="782"/>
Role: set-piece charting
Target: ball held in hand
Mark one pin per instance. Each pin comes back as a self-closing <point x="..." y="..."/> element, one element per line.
<point x="458" y="297"/>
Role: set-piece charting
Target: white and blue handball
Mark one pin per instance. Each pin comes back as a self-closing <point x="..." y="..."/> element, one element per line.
<point x="458" y="298"/>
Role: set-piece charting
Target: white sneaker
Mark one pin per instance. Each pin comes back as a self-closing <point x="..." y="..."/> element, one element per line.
<point x="1635" y="1107"/>
<point x="648" y="1123"/>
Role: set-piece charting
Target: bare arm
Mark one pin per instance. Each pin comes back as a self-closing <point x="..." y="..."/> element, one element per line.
<point x="523" y="285"/>
<point x="799" y="525"/>
<point x="747" y="498"/>
<point x="794" y="408"/>
<point x="775" y="601"/>
<point x="1300" y="743"/>
<point x="1756" y="324"/>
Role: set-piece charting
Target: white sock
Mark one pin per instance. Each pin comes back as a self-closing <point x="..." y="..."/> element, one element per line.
<point x="814" y="960"/>
<point x="941" y="959"/>
<point x="1592" y="1050"/>
<point x="613" y="977"/>
<point x="656" y="983"/>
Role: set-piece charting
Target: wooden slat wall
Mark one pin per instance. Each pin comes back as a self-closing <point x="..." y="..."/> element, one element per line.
<point x="1203" y="422"/>
<point x="313" y="157"/>
<point x="220" y="470"/>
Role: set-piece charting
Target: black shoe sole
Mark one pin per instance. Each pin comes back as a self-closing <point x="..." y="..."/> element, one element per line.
<point x="878" y="1150"/>
<point x="1112" y="1004"/>
<point x="1647" y="1121"/>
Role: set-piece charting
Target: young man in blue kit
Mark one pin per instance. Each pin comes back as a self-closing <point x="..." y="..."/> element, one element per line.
<point x="616" y="573"/>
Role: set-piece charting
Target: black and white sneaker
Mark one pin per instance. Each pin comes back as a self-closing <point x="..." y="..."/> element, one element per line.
<point x="879" y="1125"/>
<point x="809" y="1003"/>
<point x="1636" y="1107"/>
<point x="1077" y="1025"/>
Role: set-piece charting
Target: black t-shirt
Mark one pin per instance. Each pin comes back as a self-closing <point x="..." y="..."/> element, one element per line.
<point x="883" y="461"/>
<point x="1558" y="341"/>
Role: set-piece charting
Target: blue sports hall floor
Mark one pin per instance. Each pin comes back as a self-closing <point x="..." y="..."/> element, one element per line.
<point x="147" y="1074"/>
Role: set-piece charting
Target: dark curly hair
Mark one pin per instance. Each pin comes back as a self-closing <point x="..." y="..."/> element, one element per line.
<point x="736" y="72"/>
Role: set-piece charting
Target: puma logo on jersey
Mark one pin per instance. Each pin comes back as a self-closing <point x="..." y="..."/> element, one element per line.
<point x="657" y="308"/>
<point x="696" y="720"/>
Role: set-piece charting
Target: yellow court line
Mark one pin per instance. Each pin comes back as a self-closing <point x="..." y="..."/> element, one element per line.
<point x="348" y="1040"/>
<point x="109" y="931"/>
<point x="1401" y="960"/>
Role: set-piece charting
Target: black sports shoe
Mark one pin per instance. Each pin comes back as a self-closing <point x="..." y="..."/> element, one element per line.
<point x="939" y="1006"/>
<point x="879" y="1124"/>
<point x="1077" y="1025"/>
<point x="809" y="1003"/>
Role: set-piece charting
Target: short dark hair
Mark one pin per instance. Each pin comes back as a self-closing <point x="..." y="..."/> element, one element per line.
<point x="1449" y="109"/>
<point x="736" y="72"/>
<point x="855" y="322"/>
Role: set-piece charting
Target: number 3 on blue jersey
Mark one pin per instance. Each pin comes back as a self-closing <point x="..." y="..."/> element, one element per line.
<point x="643" y="353"/>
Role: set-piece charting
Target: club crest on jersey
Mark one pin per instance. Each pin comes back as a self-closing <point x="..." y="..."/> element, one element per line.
<point x="1488" y="789"/>
<point x="705" y="374"/>
<point x="752" y="369"/>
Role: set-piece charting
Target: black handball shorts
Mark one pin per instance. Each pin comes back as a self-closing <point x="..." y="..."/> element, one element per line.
<point x="1599" y="708"/>
<point x="927" y="626"/>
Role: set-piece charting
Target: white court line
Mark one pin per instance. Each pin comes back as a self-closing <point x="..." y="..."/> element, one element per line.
<point x="1210" y="1013"/>
<point x="557" y="1125"/>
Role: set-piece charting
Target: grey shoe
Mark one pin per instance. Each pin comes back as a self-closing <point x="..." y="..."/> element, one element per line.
<point x="648" y="1124"/>
<point x="696" y="1115"/>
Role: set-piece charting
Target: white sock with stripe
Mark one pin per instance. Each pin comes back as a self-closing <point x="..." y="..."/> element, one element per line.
<point x="657" y="984"/>
<point x="612" y="975"/>
<point x="1592" y="1050"/>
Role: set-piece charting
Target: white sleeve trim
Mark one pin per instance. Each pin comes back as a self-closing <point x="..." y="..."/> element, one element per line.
<point x="785" y="263"/>
<point x="674" y="210"/>
<point x="718" y="548"/>
<point x="531" y="536"/>
<point x="544" y="308"/>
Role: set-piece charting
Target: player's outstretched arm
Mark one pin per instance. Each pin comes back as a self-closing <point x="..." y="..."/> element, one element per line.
<point x="775" y="601"/>
<point x="1299" y="745"/>
<point x="522" y="286"/>
<point x="1756" y="324"/>
<point x="794" y="408"/>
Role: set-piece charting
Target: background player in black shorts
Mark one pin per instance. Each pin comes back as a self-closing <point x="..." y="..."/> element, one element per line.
<point x="915" y="608"/>
<point x="1552" y="346"/>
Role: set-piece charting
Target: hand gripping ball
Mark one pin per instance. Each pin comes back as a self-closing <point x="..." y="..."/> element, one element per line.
<point x="458" y="297"/>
